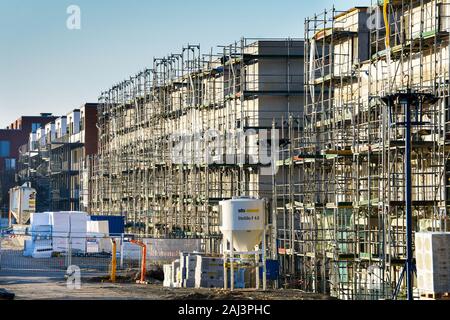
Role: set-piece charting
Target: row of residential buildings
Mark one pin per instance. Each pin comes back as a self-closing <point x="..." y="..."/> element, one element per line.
<point x="164" y="147"/>
<point x="340" y="113"/>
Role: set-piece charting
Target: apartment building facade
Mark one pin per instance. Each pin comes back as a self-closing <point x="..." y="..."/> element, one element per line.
<point x="54" y="160"/>
<point x="11" y="139"/>
<point x="372" y="158"/>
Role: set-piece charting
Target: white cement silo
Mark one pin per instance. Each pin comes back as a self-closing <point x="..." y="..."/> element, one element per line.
<point x="243" y="222"/>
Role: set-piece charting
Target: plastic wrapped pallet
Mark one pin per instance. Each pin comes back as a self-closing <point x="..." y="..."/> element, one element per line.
<point x="73" y="224"/>
<point x="176" y="273"/>
<point x="433" y="262"/>
<point x="188" y="262"/>
<point x="209" y="272"/>
<point x="101" y="228"/>
<point x="168" y="276"/>
<point x="98" y="234"/>
<point x="40" y="219"/>
<point x="183" y="257"/>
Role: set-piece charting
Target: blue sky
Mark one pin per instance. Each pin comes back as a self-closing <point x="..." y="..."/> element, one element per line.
<point x="44" y="67"/>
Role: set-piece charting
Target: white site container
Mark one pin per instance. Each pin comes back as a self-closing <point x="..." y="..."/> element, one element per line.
<point x="242" y="222"/>
<point x="433" y="261"/>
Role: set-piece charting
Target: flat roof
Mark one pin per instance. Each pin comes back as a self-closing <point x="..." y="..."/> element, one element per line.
<point x="350" y="11"/>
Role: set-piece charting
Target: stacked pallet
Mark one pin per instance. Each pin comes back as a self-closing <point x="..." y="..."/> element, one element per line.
<point x="209" y="272"/>
<point x="433" y="264"/>
<point x="194" y="270"/>
<point x="188" y="265"/>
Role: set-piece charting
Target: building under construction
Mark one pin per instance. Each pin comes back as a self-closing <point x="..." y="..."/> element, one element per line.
<point x="179" y="137"/>
<point x="370" y="150"/>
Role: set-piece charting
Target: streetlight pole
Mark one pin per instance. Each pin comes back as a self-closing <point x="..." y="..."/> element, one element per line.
<point x="406" y="103"/>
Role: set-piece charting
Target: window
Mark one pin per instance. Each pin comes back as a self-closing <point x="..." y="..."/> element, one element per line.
<point x="10" y="164"/>
<point x="5" y="149"/>
<point x="70" y="126"/>
<point x="34" y="127"/>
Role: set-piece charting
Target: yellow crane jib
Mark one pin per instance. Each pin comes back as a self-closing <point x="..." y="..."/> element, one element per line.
<point x="113" y="260"/>
<point x="386" y="23"/>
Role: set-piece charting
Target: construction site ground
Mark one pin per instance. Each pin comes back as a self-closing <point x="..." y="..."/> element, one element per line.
<point x="45" y="286"/>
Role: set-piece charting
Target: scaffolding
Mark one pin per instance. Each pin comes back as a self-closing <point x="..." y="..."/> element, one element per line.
<point x="162" y="162"/>
<point x="341" y="209"/>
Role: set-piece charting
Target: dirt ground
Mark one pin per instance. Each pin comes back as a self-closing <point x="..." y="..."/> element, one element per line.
<point x="53" y="287"/>
<point x="34" y="279"/>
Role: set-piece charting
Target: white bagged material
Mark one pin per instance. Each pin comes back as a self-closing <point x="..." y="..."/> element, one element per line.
<point x="60" y="244"/>
<point x="61" y="223"/>
<point x="98" y="228"/>
<point x="69" y="224"/>
<point x="209" y="272"/>
<point x="40" y="219"/>
<point x="176" y="279"/>
<point x="188" y="262"/>
<point x="433" y="261"/>
<point x="91" y="227"/>
<point x="98" y="237"/>
<point x="168" y="276"/>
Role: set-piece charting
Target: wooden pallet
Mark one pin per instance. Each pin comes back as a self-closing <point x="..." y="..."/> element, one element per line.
<point x="435" y="296"/>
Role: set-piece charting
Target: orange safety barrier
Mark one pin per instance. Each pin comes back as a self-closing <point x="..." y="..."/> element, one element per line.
<point x="143" y="262"/>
